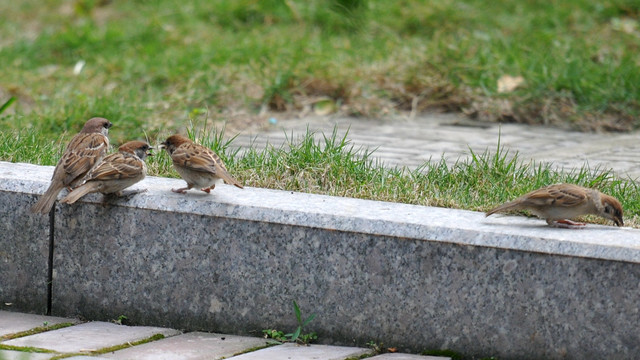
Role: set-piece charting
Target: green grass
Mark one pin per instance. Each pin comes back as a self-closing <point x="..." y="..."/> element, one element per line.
<point x="333" y="166"/>
<point x="330" y="164"/>
<point x="149" y="64"/>
<point x="156" y="67"/>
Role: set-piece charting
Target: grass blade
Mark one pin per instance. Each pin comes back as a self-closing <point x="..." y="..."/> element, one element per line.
<point x="8" y="103"/>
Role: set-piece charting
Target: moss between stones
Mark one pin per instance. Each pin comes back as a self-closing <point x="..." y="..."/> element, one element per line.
<point x="111" y="348"/>
<point x="25" y="349"/>
<point x="36" y="330"/>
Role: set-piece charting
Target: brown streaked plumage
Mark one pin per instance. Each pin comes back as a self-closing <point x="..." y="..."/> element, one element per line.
<point x="84" y="151"/>
<point x="115" y="172"/>
<point x="560" y="203"/>
<point x="197" y="165"/>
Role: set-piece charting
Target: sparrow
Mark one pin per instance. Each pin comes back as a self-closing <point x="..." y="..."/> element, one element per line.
<point x="559" y="203"/>
<point x="196" y="164"/>
<point x="84" y="151"/>
<point x="115" y="172"/>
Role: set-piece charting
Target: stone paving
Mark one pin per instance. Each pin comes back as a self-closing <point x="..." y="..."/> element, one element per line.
<point x="411" y="142"/>
<point x="90" y="339"/>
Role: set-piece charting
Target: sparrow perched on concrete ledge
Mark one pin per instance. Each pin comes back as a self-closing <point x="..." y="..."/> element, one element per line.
<point x="197" y="165"/>
<point x="559" y="203"/>
<point x="84" y="151"/>
<point x="115" y="172"/>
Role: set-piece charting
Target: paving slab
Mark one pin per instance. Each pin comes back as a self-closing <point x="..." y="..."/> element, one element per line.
<point x="400" y="356"/>
<point x="89" y="336"/>
<point x="297" y="352"/>
<point x="191" y="346"/>
<point x="21" y="355"/>
<point x="12" y="322"/>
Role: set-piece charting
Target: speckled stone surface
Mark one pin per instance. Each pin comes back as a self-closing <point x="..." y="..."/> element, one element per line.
<point x="397" y="356"/>
<point x="409" y="276"/>
<point x="24" y="241"/>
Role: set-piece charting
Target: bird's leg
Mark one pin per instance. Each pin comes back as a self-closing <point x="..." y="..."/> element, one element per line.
<point x="568" y="224"/>
<point x="183" y="190"/>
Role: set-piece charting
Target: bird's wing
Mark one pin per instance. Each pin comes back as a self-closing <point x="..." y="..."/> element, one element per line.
<point x="116" y="166"/>
<point x="198" y="158"/>
<point x="558" y="195"/>
<point x="81" y="155"/>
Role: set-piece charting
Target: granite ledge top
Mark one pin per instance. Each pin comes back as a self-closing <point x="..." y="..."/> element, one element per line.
<point x="355" y="215"/>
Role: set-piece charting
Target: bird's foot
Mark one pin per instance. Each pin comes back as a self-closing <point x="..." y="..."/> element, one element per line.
<point x="208" y="190"/>
<point x="180" y="191"/>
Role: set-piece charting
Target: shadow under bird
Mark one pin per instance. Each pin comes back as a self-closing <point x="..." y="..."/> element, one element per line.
<point x="85" y="150"/>
<point x="115" y="172"/>
<point x="559" y="203"/>
<point x="197" y="165"/>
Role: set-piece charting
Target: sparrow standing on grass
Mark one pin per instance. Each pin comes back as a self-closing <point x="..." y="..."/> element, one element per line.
<point x="84" y="151"/>
<point x="115" y="172"/>
<point x="199" y="166"/>
<point x="561" y="202"/>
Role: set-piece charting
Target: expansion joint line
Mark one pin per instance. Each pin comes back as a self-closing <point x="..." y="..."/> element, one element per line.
<point x="52" y="214"/>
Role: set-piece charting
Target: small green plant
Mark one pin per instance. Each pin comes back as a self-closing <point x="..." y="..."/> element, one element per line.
<point x="297" y="336"/>
<point x="121" y="320"/>
<point x="274" y="334"/>
<point x="377" y="348"/>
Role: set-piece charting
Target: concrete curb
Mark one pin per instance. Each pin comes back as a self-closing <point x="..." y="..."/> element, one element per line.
<point x="411" y="276"/>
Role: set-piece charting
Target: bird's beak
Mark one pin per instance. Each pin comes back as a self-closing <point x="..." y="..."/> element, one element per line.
<point x="149" y="153"/>
<point x="618" y="221"/>
<point x="162" y="146"/>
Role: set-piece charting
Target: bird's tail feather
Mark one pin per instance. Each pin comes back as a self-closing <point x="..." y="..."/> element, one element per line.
<point x="79" y="192"/>
<point x="511" y="205"/>
<point x="229" y="180"/>
<point x="46" y="201"/>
